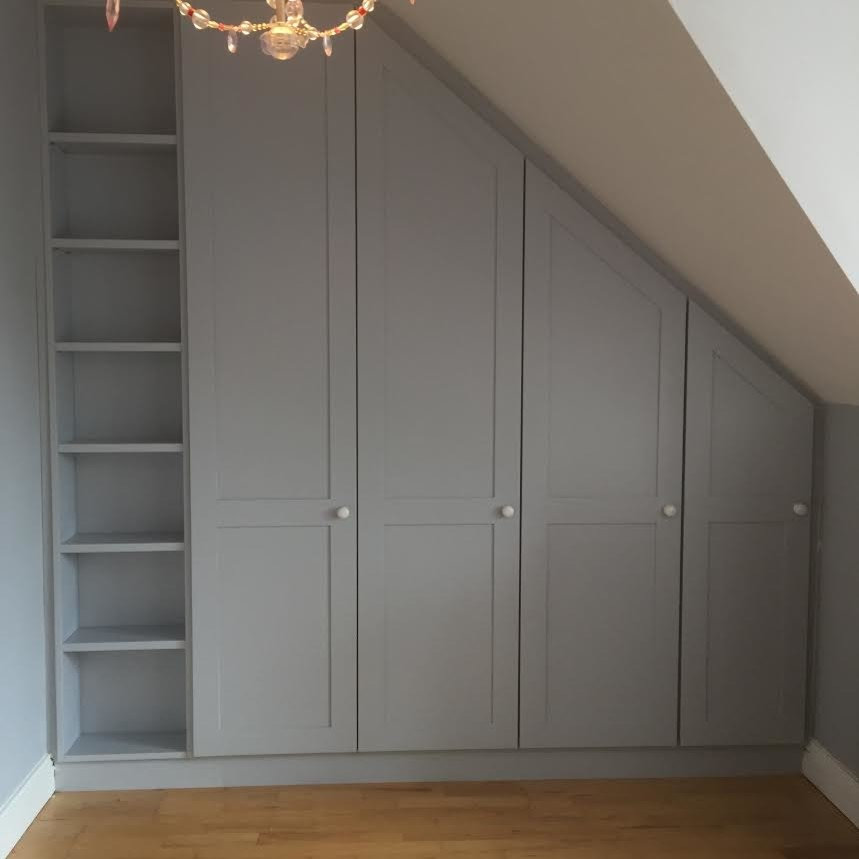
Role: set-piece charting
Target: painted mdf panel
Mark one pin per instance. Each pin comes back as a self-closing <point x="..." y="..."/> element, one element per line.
<point x="439" y="339"/>
<point x="746" y="552"/>
<point x="602" y="454"/>
<point x="283" y="596"/>
<point x="271" y="307"/>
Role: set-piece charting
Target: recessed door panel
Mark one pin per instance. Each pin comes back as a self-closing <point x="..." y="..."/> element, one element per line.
<point x="602" y="470"/>
<point x="439" y="340"/>
<point x="604" y="336"/>
<point x="274" y="645"/>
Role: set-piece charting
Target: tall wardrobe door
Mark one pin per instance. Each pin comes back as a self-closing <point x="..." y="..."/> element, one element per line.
<point x="746" y="546"/>
<point x="601" y="484"/>
<point x="269" y="157"/>
<point x="439" y="363"/>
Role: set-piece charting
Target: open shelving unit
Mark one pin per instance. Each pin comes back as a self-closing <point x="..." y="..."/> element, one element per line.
<point x="114" y="302"/>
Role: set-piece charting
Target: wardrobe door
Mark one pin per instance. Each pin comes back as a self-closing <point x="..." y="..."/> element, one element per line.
<point x="439" y="363"/>
<point x="746" y="546"/>
<point x="601" y="484"/>
<point x="269" y="159"/>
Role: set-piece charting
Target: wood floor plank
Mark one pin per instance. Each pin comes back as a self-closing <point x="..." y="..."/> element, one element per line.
<point x="754" y="818"/>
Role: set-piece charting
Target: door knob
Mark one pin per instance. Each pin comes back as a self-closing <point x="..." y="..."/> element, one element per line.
<point x="800" y="509"/>
<point x="343" y="512"/>
<point x="669" y="511"/>
<point x="508" y="512"/>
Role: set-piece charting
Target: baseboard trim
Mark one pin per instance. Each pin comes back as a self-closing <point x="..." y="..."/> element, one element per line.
<point x="834" y="780"/>
<point x="426" y="766"/>
<point x="21" y="809"/>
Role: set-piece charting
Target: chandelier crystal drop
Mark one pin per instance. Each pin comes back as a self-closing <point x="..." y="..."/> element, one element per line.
<point x="111" y="13"/>
<point x="281" y="38"/>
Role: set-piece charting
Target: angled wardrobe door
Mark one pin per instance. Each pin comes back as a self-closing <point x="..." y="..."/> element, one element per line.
<point x="746" y="546"/>
<point x="269" y="156"/>
<point x="439" y="357"/>
<point x="601" y="484"/>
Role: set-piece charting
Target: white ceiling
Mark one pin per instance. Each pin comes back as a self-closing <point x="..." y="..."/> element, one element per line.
<point x="792" y="69"/>
<point x="618" y="94"/>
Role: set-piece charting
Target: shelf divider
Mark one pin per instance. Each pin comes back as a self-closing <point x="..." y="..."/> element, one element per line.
<point x="74" y="142"/>
<point x="121" y="543"/>
<point x="117" y="346"/>
<point x="93" y="447"/>
<point x="116" y="245"/>
<point x="102" y="639"/>
<point x="128" y="746"/>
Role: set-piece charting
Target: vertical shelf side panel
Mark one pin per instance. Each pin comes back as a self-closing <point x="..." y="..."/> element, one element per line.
<point x="183" y="322"/>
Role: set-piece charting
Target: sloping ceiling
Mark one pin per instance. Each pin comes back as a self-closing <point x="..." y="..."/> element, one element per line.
<point x="618" y="94"/>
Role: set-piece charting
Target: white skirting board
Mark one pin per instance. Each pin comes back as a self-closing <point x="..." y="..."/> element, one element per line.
<point x="837" y="783"/>
<point x="20" y="810"/>
<point x="426" y="766"/>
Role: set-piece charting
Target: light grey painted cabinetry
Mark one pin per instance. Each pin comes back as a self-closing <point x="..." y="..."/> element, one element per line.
<point x="439" y="363"/>
<point x="271" y="305"/>
<point x="602" y="465"/>
<point x="746" y="546"/>
<point x="360" y="414"/>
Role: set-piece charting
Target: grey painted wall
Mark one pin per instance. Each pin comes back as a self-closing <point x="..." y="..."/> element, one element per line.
<point x="23" y="731"/>
<point x="836" y="712"/>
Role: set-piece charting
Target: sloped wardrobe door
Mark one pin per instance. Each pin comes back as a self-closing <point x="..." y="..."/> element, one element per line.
<point x="746" y="546"/>
<point x="602" y="468"/>
<point x="269" y="158"/>
<point x="439" y="358"/>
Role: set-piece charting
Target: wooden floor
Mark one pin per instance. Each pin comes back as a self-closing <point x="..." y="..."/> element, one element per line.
<point x="760" y="818"/>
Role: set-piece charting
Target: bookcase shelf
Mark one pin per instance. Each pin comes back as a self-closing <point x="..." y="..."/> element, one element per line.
<point x="138" y="745"/>
<point x="100" y="244"/>
<point x="81" y="143"/>
<point x="104" y="639"/>
<point x="95" y="346"/>
<point x="113" y="253"/>
<point x="91" y="447"/>
<point x="123" y="542"/>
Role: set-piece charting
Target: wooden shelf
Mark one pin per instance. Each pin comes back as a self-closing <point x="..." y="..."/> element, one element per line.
<point x="117" y="346"/>
<point x="91" y="447"/>
<point x="128" y="746"/>
<point x="115" y="543"/>
<point x="101" y="639"/>
<point x="80" y="143"/>
<point x="116" y="245"/>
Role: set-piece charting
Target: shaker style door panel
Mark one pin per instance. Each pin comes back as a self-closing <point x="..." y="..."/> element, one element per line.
<point x="746" y="546"/>
<point x="602" y="463"/>
<point x="269" y="164"/>
<point x="439" y="363"/>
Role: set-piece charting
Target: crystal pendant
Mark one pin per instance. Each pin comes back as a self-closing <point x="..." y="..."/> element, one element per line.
<point x="327" y="45"/>
<point x="111" y="12"/>
<point x="280" y="42"/>
<point x="232" y="41"/>
<point x="294" y="10"/>
<point x="200" y="19"/>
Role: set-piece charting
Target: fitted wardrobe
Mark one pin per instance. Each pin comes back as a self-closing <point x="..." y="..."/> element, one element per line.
<point x="367" y="437"/>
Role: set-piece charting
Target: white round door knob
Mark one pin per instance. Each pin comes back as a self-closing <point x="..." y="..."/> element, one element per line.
<point x="508" y="512"/>
<point x="669" y="511"/>
<point x="343" y="512"/>
<point x="800" y="509"/>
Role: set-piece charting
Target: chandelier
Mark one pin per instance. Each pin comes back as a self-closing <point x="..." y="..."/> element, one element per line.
<point x="281" y="37"/>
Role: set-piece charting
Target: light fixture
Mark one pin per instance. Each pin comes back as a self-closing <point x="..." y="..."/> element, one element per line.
<point x="281" y="37"/>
